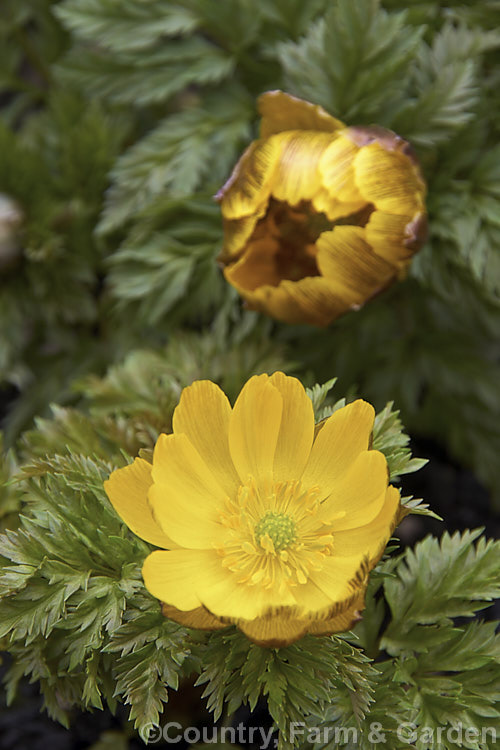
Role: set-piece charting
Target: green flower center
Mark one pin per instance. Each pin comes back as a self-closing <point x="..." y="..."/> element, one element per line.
<point x="279" y="527"/>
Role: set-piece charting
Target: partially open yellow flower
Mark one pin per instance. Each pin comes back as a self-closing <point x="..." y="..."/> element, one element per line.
<point x="319" y="217"/>
<point x="266" y="520"/>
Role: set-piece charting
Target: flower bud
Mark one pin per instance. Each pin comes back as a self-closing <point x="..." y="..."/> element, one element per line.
<point x="319" y="217"/>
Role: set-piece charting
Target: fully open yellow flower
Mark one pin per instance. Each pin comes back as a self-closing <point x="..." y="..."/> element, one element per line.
<point x="266" y="520"/>
<point x="319" y="217"/>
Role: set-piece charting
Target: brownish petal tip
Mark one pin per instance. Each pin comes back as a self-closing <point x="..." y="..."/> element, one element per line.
<point x="363" y="135"/>
<point x="416" y="232"/>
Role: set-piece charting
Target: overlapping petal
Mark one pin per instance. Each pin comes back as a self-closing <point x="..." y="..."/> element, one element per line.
<point x="314" y="299"/>
<point x="199" y="618"/>
<point x="354" y="271"/>
<point x="254" y="428"/>
<point x="274" y="631"/>
<point x="185" y="496"/>
<point x="296" y="431"/>
<point x="395" y="236"/>
<point x="203" y="414"/>
<point x="336" y="167"/>
<point x="310" y="300"/>
<point x="340" y="577"/>
<point x="257" y="267"/>
<point x="329" y="204"/>
<point x="372" y="536"/>
<point x="187" y="580"/>
<point x="249" y="185"/>
<point x="297" y="177"/>
<point x="389" y="180"/>
<point x="343" y="616"/>
<point x="278" y="627"/>
<point x="344" y="435"/>
<point x="359" y="494"/>
<point x="237" y="232"/>
<point x="281" y="112"/>
<point x="127" y="488"/>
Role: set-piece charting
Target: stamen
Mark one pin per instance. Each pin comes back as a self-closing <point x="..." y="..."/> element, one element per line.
<point x="274" y="538"/>
<point x="277" y="528"/>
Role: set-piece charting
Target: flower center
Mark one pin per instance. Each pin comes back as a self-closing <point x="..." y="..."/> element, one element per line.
<point x="275" y="537"/>
<point x="293" y="232"/>
<point x="296" y="230"/>
<point x="279" y="527"/>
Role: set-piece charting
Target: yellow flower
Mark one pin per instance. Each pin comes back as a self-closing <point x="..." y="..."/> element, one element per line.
<point x="266" y="520"/>
<point x="319" y="217"/>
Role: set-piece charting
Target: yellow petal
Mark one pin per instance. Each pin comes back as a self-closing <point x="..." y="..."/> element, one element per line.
<point x="297" y="177"/>
<point x="395" y="237"/>
<point x="316" y="300"/>
<point x="310" y="600"/>
<point x="254" y="428"/>
<point x="257" y="267"/>
<point x="272" y="300"/>
<point x="177" y="577"/>
<point x="188" y="579"/>
<point x="198" y="618"/>
<point x="327" y="203"/>
<point x="230" y="600"/>
<point x="372" y="537"/>
<point x="127" y="490"/>
<point x="237" y="233"/>
<point x="248" y="188"/>
<point x="274" y="631"/>
<point x="353" y="270"/>
<point x="345" y="616"/>
<point x="282" y="111"/>
<point x="203" y="415"/>
<point x="297" y="428"/>
<point x="185" y="497"/>
<point x="309" y="300"/>
<point x="342" y="438"/>
<point x="341" y="577"/>
<point x="337" y="170"/>
<point x="389" y="180"/>
<point x="360" y="492"/>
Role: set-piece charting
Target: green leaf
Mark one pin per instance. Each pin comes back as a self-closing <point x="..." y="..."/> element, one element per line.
<point x="34" y="611"/>
<point x="318" y="393"/>
<point x="144" y="672"/>
<point x="354" y="61"/>
<point x="389" y="438"/>
<point x="184" y="151"/>
<point x="437" y="581"/>
<point x="294" y="16"/>
<point x="298" y="680"/>
<point x="125" y="25"/>
<point x="445" y="86"/>
<point x="169" y="69"/>
<point x="169" y="274"/>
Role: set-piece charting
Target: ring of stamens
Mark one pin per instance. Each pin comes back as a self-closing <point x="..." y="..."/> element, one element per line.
<point x="274" y="535"/>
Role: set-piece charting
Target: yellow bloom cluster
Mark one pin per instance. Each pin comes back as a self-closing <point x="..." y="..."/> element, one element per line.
<point x="264" y="519"/>
<point x="319" y="217"/>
